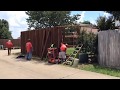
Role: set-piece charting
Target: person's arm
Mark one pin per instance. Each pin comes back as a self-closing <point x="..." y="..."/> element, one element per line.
<point x="31" y="46"/>
<point x="11" y="44"/>
<point x="65" y="50"/>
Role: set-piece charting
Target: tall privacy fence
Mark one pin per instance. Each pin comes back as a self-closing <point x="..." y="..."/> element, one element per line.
<point x="109" y="48"/>
<point x="42" y="39"/>
<point x="16" y="42"/>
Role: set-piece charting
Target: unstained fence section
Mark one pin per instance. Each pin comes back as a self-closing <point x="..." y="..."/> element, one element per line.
<point x="109" y="48"/>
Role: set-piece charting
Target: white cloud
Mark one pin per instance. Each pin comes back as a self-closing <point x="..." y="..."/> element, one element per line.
<point x="92" y="21"/>
<point x="17" y="21"/>
<point x="81" y="18"/>
<point x="106" y="14"/>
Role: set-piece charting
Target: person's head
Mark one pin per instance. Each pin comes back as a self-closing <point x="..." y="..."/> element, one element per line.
<point x="66" y="45"/>
<point x="29" y="40"/>
<point x="9" y="40"/>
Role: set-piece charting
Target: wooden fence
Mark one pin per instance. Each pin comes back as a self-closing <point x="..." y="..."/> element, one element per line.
<point x="109" y="48"/>
<point x="16" y="42"/>
<point x="42" y="39"/>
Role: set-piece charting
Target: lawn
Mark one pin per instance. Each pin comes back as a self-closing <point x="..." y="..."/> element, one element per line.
<point x="70" y="50"/>
<point x="95" y="67"/>
<point x="99" y="69"/>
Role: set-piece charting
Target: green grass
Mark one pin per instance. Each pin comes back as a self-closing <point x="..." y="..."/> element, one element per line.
<point x="99" y="69"/>
<point x="70" y="50"/>
<point x="96" y="68"/>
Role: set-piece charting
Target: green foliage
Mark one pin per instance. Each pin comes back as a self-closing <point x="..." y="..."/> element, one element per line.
<point x="43" y="19"/>
<point x="4" y="30"/>
<point x="101" y="23"/>
<point x="69" y="30"/>
<point x="104" y="23"/>
<point x="86" y="22"/>
<point x="70" y="50"/>
<point x="88" y="40"/>
<point x="109" y="23"/>
<point x="116" y="14"/>
<point x="99" y="69"/>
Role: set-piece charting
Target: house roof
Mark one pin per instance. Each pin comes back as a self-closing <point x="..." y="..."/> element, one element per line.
<point x="85" y="25"/>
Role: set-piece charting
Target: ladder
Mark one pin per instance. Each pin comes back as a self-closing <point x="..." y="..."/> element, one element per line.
<point x="73" y="55"/>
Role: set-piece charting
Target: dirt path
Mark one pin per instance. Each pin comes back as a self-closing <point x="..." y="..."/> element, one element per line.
<point x="11" y="68"/>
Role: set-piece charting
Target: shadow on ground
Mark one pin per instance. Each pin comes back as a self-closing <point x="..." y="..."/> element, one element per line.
<point x="34" y="60"/>
<point x="21" y="57"/>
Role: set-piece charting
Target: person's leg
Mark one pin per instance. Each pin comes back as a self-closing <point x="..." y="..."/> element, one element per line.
<point x="30" y="55"/>
<point x="63" y="56"/>
<point x="8" y="51"/>
<point x="60" y="56"/>
<point x="27" y="56"/>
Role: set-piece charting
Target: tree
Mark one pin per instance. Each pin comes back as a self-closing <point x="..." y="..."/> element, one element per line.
<point x="116" y="14"/>
<point x="88" y="41"/>
<point x="86" y="22"/>
<point x="104" y="23"/>
<point x="90" y="44"/>
<point x="43" y="19"/>
<point x="109" y="23"/>
<point x="4" y="30"/>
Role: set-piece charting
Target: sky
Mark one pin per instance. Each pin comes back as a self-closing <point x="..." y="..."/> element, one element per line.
<point x="17" y="19"/>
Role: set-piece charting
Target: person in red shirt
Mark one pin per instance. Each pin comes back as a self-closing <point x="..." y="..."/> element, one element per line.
<point x="9" y="45"/>
<point x="29" y="50"/>
<point x="62" y="53"/>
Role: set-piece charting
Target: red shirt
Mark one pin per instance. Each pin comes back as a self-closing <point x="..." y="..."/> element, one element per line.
<point x="9" y="44"/>
<point x="63" y="47"/>
<point x="28" y="46"/>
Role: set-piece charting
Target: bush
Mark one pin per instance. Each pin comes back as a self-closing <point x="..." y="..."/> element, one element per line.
<point x="89" y="41"/>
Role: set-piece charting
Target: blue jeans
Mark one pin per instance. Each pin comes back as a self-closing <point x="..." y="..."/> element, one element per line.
<point x="29" y="55"/>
